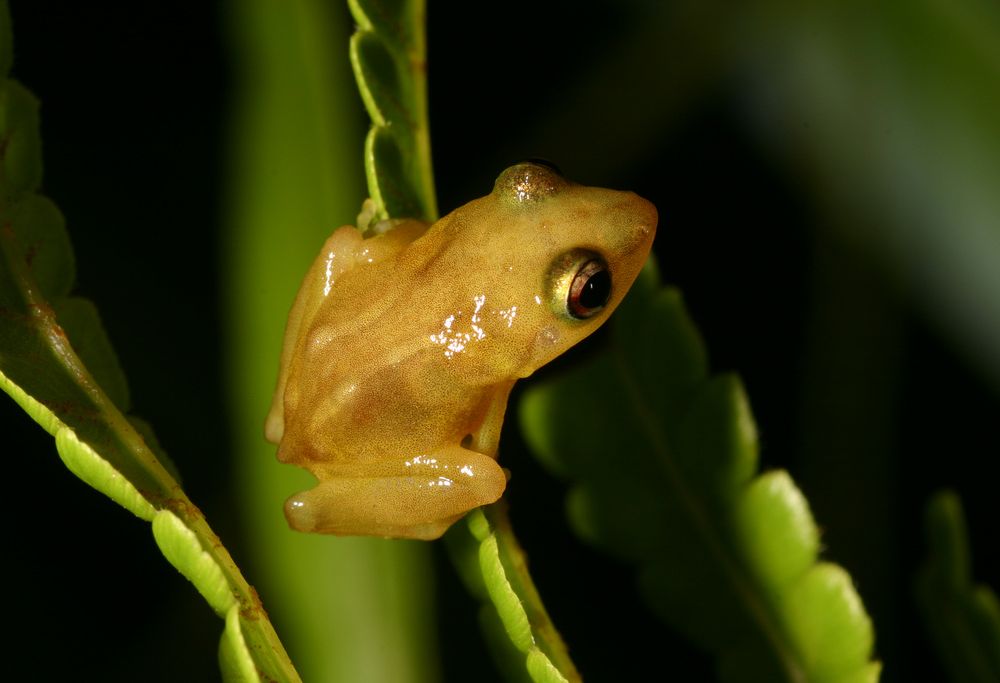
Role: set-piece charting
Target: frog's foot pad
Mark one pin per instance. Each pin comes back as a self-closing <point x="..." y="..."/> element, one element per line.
<point x="414" y="505"/>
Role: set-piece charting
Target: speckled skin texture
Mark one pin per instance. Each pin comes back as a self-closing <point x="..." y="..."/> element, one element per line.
<point x="401" y="348"/>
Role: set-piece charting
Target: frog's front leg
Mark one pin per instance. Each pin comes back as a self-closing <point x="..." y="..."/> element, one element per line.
<point x="419" y="497"/>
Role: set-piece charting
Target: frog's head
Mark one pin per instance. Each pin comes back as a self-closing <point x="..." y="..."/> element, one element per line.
<point x="582" y="247"/>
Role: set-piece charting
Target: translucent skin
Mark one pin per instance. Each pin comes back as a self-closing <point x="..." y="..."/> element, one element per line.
<point x="401" y="348"/>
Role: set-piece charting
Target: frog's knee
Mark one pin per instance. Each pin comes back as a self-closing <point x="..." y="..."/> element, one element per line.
<point x="485" y="481"/>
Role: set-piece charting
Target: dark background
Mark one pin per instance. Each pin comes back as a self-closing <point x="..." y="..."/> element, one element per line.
<point x="857" y="390"/>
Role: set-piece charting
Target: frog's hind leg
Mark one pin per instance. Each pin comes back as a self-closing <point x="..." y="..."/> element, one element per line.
<point x="418" y="498"/>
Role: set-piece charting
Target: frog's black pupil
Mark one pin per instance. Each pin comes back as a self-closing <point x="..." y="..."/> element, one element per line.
<point x="597" y="290"/>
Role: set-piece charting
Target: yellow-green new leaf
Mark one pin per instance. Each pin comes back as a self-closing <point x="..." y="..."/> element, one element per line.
<point x="81" y="460"/>
<point x="493" y="566"/>
<point x="235" y="661"/>
<point x="181" y="548"/>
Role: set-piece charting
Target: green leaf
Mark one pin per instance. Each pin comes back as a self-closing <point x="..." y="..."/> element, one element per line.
<point x="235" y="661"/>
<point x="21" y="170"/>
<point x="827" y="623"/>
<point x="962" y="617"/>
<point x="181" y="548"/>
<point x="82" y="323"/>
<point x="42" y="339"/>
<point x="45" y="244"/>
<point x="664" y="476"/>
<point x="494" y="568"/>
<point x="779" y="537"/>
<point x="389" y="57"/>
<point x="57" y="363"/>
<point x="81" y="460"/>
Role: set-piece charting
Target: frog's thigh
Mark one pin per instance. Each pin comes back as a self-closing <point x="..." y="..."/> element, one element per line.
<point x="392" y="498"/>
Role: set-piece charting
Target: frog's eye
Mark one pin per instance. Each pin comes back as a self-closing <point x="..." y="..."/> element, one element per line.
<point x="578" y="284"/>
<point x="538" y="161"/>
<point x="589" y="289"/>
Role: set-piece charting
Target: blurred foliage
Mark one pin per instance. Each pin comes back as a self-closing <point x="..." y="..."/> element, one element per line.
<point x="826" y="175"/>
<point x="665" y="476"/>
<point x="963" y="618"/>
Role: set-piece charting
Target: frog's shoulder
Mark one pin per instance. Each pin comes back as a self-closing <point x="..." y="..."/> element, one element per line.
<point x="387" y="238"/>
<point x="348" y="247"/>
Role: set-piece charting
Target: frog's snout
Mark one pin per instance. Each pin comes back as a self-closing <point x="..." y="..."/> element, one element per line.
<point x="640" y="220"/>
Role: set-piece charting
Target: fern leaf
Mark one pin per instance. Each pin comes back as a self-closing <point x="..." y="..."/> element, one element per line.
<point x="494" y="569"/>
<point x="663" y="461"/>
<point x="57" y="363"/>
<point x="389" y="56"/>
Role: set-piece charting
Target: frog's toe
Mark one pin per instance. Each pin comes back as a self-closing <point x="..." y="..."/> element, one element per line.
<point x="300" y="513"/>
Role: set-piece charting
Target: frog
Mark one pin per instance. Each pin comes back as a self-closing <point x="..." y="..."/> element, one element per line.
<point x="404" y="341"/>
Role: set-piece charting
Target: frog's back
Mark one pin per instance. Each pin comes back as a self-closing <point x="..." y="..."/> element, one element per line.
<point x="361" y="372"/>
